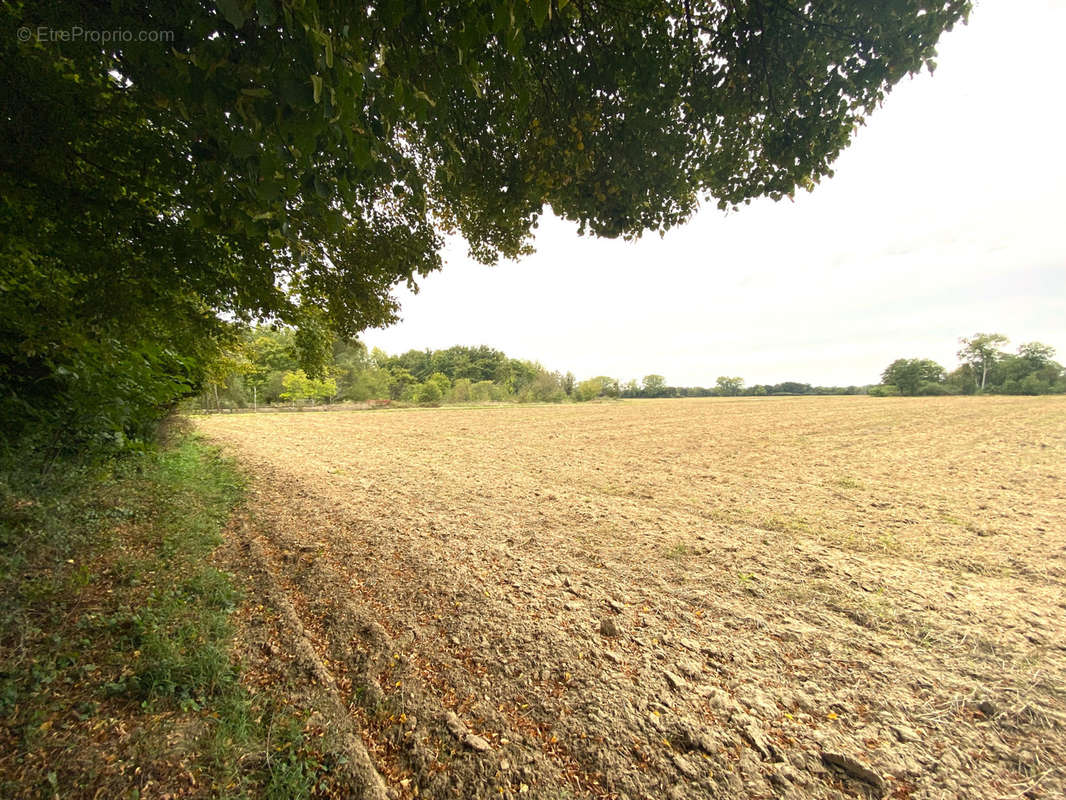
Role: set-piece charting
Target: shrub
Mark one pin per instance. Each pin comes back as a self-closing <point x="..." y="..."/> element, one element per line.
<point x="461" y="390"/>
<point x="1010" y="386"/>
<point x="546" y="387"/>
<point x="441" y="381"/>
<point x="587" y="390"/>
<point x="884" y="390"/>
<point x="1032" y="384"/>
<point x="482" y="391"/>
<point x="428" y="394"/>
<point x="933" y="389"/>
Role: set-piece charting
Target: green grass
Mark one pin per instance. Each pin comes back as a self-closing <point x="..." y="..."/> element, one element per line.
<point x="113" y="618"/>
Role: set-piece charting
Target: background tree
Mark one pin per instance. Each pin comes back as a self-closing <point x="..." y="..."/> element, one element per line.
<point x="588" y="390"/>
<point x="910" y="375"/>
<point x="568" y="383"/>
<point x="324" y="389"/>
<point x="547" y="387"/>
<point x="1031" y="371"/>
<point x="981" y="351"/>
<point x="1037" y="354"/>
<point x="884" y="390"/>
<point x="428" y="393"/>
<point x="961" y="380"/>
<point x="461" y="390"/>
<point x="790" y="387"/>
<point x="399" y="381"/>
<point x="442" y="382"/>
<point x="653" y="386"/>
<point x="297" y="386"/>
<point x="485" y="392"/>
<point x="729" y="387"/>
<point x="223" y="371"/>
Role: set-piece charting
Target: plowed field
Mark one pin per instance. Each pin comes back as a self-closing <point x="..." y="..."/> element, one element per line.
<point x="796" y="597"/>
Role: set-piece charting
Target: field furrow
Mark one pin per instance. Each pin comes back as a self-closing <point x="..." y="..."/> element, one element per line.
<point x="807" y="597"/>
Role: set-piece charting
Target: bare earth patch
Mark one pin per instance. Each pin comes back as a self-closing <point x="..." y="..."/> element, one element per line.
<point x="782" y="597"/>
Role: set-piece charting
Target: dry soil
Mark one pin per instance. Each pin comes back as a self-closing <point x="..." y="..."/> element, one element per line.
<point x="781" y="597"/>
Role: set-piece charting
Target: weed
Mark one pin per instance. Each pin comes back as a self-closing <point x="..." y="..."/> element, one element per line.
<point x="678" y="551"/>
<point x="779" y="524"/>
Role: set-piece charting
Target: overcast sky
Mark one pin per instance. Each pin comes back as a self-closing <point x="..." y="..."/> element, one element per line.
<point x="946" y="217"/>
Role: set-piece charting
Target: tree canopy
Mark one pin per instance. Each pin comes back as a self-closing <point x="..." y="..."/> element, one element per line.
<point x="980" y="352"/>
<point x="239" y="160"/>
<point x="984" y="368"/>
<point x="909" y="375"/>
<point x="729" y="386"/>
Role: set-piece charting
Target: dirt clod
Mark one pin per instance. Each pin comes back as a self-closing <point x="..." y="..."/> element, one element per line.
<point x="854" y="769"/>
<point x="475" y="742"/>
<point x="675" y="681"/>
<point x="455" y="725"/>
<point x="608" y="627"/>
<point x="686" y="767"/>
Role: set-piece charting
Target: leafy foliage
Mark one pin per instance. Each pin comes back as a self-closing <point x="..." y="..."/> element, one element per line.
<point x="295" y="161"/>
<point x="729" y="387"/>
<point x="482" y="374"/>
<point x="298" y="386"/>
<point x="653" y="385"/>
<point x="600" y="386"/>
<point x="884" y="390"/>
<point x="266" y="372"/>
<point x="909" y="375"/>
<point x="985" y="368"/>
<point x="981" y="351"/>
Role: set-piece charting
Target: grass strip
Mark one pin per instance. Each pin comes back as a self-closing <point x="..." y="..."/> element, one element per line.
<point x="116" y="638"/>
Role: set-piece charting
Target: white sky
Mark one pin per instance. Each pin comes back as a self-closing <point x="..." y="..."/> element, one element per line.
<point x="946" y="217"/>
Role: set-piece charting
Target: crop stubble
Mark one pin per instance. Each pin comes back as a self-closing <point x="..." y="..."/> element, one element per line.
<point x="752" y="597"/>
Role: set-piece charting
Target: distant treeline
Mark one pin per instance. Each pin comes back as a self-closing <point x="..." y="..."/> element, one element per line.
<point x="264" y="369"/>
<point x="984" y="369"/>
<point x="655" y="386"/>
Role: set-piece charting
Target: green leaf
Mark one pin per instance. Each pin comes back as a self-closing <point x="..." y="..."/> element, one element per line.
<point x="361" y="151"/>
<point x="540" y="10"/>
<point x="232" y="11"/>
<point x="268" y="13"/>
